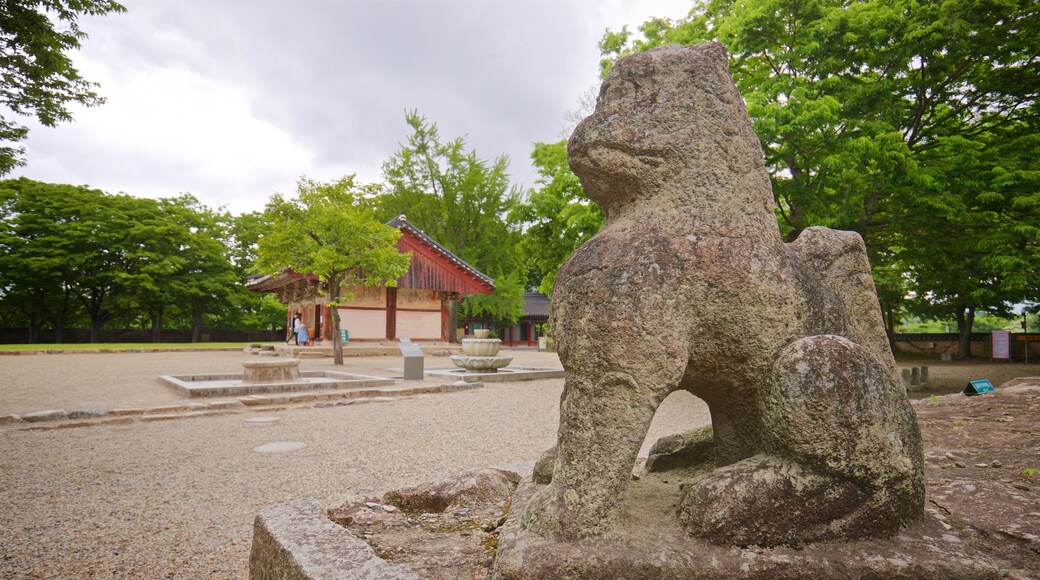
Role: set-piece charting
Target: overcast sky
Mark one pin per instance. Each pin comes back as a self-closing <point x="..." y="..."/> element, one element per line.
<point x="234" y="100"/>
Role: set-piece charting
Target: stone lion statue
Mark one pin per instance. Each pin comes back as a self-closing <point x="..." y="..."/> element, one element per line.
<point x="689" y="286"/>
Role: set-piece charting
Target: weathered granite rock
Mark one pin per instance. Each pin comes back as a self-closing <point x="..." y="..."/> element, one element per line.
<point x="543" y="468"/>
<point x="688" y="450"/>
<point x="652" y="546"/>
<point x="296" y="541"/>
<point x="482" y="486"/>
<point x="811" y="426"/>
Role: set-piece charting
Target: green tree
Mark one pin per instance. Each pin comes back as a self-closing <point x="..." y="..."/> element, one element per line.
<point x="330" y="231"/>
<point x="35" y="259"/>
<point x="868" y="111"/>
<point x="66" y="249"/>
<point x="503" y="307"/>
<point x="64" y="237"/>
<point x="256" y="311"/>
<point x="457" y="198"/>
<point x="557" y="216"/>
<point x="207" y="285"/>
<point x="988" y="234"/>
<point x="37" y="78"/>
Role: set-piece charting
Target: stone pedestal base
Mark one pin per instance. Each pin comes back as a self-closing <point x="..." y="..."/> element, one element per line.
<point x="262" y="372"/>
<point x="653" y="546"/>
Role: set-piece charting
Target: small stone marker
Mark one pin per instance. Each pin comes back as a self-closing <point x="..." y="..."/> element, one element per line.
<point x="413" y="360"/>
<point x="280" y="447"/>
<point x="262" y="421"/>
<point x="906" y="378"/>
<point x="915" y="377"/>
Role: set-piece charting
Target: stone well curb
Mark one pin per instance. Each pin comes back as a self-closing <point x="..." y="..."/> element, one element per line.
<point x="61" y="419"/>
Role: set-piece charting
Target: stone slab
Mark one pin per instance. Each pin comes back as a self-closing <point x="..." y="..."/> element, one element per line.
<point x="280" y="447"/>
<point x="652" y="549"/>
<point x="48" y="415"/>
<point x="501" y="375"/>
<point x="231" y="385"/>
<point x="88" y="413"/>
<point x="10" y="420"/>
<point x="296" y="541"/>
<point x="262" y="421"/>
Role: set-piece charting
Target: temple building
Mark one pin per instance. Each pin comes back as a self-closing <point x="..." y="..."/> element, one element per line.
<point x="527" y="331"/>
<point x="422" y="307"/>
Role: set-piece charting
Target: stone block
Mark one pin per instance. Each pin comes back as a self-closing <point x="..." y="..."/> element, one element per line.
<point x="657" y="549"/>
<point x="88" y="413"/>
<point x="10" y="419"/>
<point x="167" y="409"/>
<point x="298" y="541"/>
<point x="50" y="415"/>
<point x="161" y="417"/>
<point x="255" y="400"/>
<point x="236" y="404"/>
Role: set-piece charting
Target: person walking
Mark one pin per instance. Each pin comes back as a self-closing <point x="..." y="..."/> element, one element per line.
<point x="294" y="324"/>
<point x="301" y="334"/>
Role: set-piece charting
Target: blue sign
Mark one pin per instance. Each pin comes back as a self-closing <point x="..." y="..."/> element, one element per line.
<point x="979" y="387"/>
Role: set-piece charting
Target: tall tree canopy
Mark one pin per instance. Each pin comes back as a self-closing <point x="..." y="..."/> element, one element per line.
<point x="464" y="203"/>
<point x="891" y="118"/>
<point x="329" y="230"/>
<point x="68" y="251"/>
<point x="558" y="217"/>
<point x="37" y="78"/>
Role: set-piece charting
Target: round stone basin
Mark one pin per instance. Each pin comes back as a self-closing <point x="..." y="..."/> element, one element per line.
<point x="481" y="346"/>
<point x="262" y="372"/>
<point x="484" y="364"/>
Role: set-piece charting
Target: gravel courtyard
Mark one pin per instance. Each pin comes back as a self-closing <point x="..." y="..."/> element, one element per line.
<point x="177" y="498"/>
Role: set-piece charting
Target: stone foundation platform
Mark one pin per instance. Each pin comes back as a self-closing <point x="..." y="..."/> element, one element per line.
<point x="654" y="547"/>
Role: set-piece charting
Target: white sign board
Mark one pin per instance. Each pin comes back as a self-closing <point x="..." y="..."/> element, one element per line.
<point x="1002" y="344"/>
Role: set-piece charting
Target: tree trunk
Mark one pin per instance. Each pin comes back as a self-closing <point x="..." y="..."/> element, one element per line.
<point x="94" y="305"/>
<point x="95" y="328"/>
<point x="337" y="340"/>
<point x="453" y="319"/>
<point x="890" y="328"/>
<point x="63" y="315"/>
<point x="965" y="320"/>
<point x="157" y="326"/>
<point x="34" y="329"/>
<point x="196" y="326"/>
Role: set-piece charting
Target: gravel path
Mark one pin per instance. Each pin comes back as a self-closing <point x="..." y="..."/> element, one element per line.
<point x="177" y="498"/>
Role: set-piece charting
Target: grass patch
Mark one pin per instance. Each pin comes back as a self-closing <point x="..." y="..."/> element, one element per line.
<point x="130" y="346"/>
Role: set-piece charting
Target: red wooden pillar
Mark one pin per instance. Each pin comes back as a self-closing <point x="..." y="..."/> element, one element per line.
<point x="445" y="333"/>
<point x="391" y="313"/>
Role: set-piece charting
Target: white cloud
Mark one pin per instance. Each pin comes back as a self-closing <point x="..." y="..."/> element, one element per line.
<point x="232" y="101"/>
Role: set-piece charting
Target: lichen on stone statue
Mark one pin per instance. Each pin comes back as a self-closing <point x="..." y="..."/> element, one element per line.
<point x="689" y="286"/>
